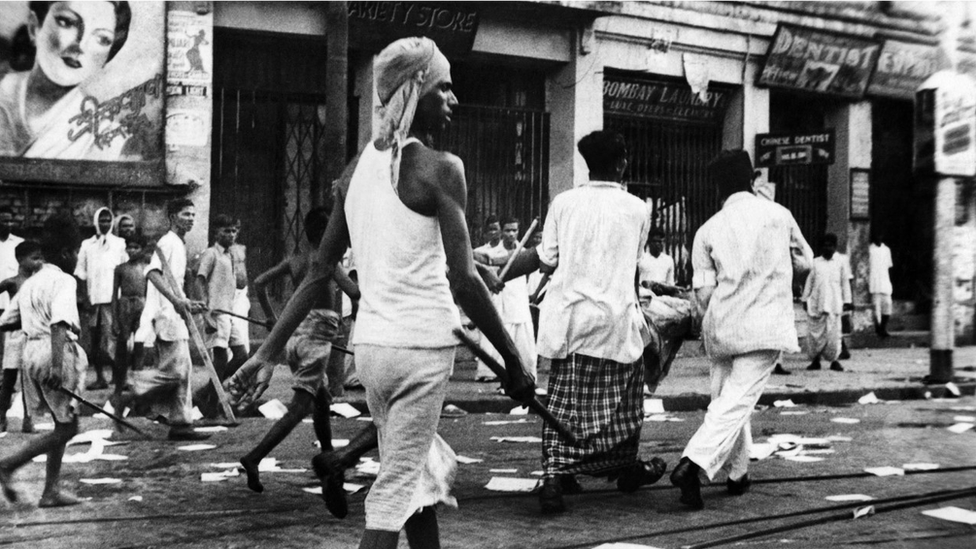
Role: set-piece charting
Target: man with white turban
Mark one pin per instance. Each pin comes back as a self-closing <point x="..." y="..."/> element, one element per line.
<point x="401" y="208"/>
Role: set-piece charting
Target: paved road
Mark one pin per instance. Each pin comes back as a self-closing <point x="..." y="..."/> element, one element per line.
<point x="178" y="510"/>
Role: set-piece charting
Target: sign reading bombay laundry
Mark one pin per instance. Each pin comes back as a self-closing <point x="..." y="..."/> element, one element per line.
<point x="818" y="61"/>
<point x="792" y="149"/>
<point x="902" y="67"/>
<point x="373" y="25"/>
<point x="662" y="99"/>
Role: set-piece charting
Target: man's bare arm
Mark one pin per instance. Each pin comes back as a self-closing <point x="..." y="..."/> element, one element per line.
<point x="450" y="199"/>
<point x="261" y="287"/>
<point x="346" y="284"/>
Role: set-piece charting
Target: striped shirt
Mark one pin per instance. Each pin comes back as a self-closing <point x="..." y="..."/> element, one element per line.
<point x="744" y="252"/>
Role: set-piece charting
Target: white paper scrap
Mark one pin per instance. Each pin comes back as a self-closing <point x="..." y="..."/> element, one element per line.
<point x="505" y="422"/>
<point x="351" y="488"/>
<point x="885" y="471"/>
<point x="340" y="442"/>
<point x="953" y="389"/>
<point x="661" y="417"/>
<point x="108" y="408"/>
<point x="226" y="465"/>
<point x="268" y="464"/>
<point x="520" y="411"/>
<point x="964" y="419"/>
<point x="110" y="457"/>
<point x="850" y="497"/>
<point x="955" y="514"/>
<point x="364" y="418"/>
<point x="517" y="439"/>
<point x="839" y="438"/>
<point x="43" y="426"/>
<point x="210" y="429"/>
<point x="624" y="546"/>
<point x="507" y="484"/>
<point x="794" y="413"/>
<point x="101" y="480"/>
<point x="317" y="490"/>
<point x="761" y="450"/>
<point x="963" y="408"/>
<point x="788" y="403"/>
<point x="653" y="406"/>
<point x="920" y="466"/>
<point x="863" y="511"/>
<point x="960" y="428"/>
<point x="537" y="473"/>
<point x="452" y="411"/>
<point x="345" y="410"/>
<point x="3" y="434"/>
<point x="467" y="460"/>
<point x="16" y="407"/>
<point x="367" y="467"/>
<point x="135" y="498"/>
<point x="196" y="447"/>
<point x="90" y="436"/>
<point x="509" y="471"/>
<point x="273" y="409"/>
<point x="803" y="458"/>
<point x="218" y="476"/>
<point x="845" y="420"/>
<point x="196" y="414"/>
<point x="869" y="398"/>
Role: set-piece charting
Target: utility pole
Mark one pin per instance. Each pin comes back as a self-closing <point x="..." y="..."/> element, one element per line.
<point x="336" y="100"/>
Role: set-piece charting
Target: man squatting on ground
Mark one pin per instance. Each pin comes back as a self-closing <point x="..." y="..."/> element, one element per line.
<point x="743" y="258"/>
<point x="46" y="309"/>
<point x="401" y="207"/>
<point x="97" y="260"/>
<point x="307" y="354"/>
<point x="29" y="260"/>
<point x="827" y="294"/>
<point x="168" y="386"/>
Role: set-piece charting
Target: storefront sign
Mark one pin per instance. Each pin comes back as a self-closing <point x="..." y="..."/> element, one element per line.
<point x="818" y="61"/>
<point x="945" y="126"/>
<point x="902" y="67"/>
<point x="860" y="194"/>
<point x="373" y="25"/>
<point x="106" y="108"/>
<point x="792" y="149"/>
<point x="663" y="99"/>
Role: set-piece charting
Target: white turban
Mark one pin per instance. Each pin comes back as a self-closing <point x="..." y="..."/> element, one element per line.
<point x="404" y="71"/>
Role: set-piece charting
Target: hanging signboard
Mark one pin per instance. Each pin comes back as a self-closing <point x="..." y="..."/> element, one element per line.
<point x="373" y="25"/>
<point x="902" y="67"/>
<point x="860" y="194"/>
<point x="97" y="115"/>
<point x="818" y="61"/>
<point x="945" y="126"/>
<point x="663" y="99"/>
<point x="792" y="149"/>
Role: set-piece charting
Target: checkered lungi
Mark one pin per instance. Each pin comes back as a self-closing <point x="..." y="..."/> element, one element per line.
<point x="600" y="401"/>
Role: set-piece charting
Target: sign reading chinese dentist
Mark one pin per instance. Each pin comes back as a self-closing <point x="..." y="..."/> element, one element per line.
<point x="81" y="91"/>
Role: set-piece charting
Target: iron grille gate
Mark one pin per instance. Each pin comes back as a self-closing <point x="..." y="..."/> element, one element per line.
<point x="667" y="169"/>
<point x="506" y="159"/>
<point x="803" y="191"/>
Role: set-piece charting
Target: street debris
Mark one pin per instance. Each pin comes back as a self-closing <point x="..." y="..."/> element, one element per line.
<point x="965" y="419"/>
<point x="954" y="514"/>
<point x="788" y="403"/>
<point x="468" y="460"/>
<point x="662" y="417"/>
<point x="349" y="487"/>
<point x="653" y="406"/>
<point x="960" y="428"/>
<point x="345" y="410"/>
<point x="509" y="471"/>
<point x="870" y="398"/>
<point x="210" y="429"/>
<point x="624" y="546"/>
<point x="101" y="480"/>
<point x="196" y="447"/>
<point x="219" y="476"/>
<point x="452" y="411"/>
<point x="885" y="471"/>
<point x="135" y="498"/>
<point x="849" y="497"/>
<point x="519" y="411"/>
<point x="517" y="439"/>
<point x="508" y="484"/>
<point x="920" y="466"/>
<point x="273" y="409"/>
<point x="863" y="511"/>
<point x="845" y="420"/>
<point x="505" y="422"/>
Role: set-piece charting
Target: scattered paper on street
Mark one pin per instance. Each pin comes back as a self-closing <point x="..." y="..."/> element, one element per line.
<point x="90" y="436"/>
<point x="110" y="457"/>
<point x="803" y="458"/>
<point x="135" y="498"/>
<point x="920" y="466"/>
<point x="467" y="460"/>
<point x="507" y="484"/>
<point x="517" y="439"/>
<point x="273" y="409"/>
<point x="850" y="497"/>
<point x="364" y="418"/>
<point x="662" y="417"/>
<point x="345" y="410"/>
<point x="452" y="411"/>
<point x="653" y="406"/>
<point x="863" y="511"/>
<point x="788" y="403"/>
<point x="350" y="487"/>
<point x="317" y="490"/>
<point x="196" y="414"/>
<point x="519" y="411"/>
<point x="340" y="442"/>
<point x="965" y="419"/>
<point x="367" y="467"/>
<point x="510" y="471"/>
<point x="793" y="413"/>
<point x="196" y="447"/>
<point x="624" y="546"/>
<point x="43" y="426"/>
<point x="884" y="471"/>
<point x="505" y="422"/>
<point x="108" y="408"/>
<point x="953" y="389"/>
<point x="839" y="438"/>
<point x="101" y="480"/>
<point x="761" y="450"/>
<point x="954" y="514"/>
<point x="845" y="420"/>
<point x="210" y="429"/>
<point x="963" y="408"/>
<point x="219" y="476"/>
<point x="960" y="427"/>
<point x="869" y="398"/>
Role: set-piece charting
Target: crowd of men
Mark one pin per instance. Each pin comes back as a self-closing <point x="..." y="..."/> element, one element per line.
<point x="610" y="316"/>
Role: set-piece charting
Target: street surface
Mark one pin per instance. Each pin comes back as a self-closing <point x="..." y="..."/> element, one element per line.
<point x="176" y="509"/>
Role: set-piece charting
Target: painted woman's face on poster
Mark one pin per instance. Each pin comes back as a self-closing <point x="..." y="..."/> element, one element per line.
<point x="81" y="80"/>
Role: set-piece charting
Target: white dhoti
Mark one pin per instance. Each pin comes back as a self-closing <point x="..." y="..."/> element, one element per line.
<point x="824" y="336"/>
<point x="725" y="437"/>
<point x="405" y="389"/>
<point x="524" y="338"/>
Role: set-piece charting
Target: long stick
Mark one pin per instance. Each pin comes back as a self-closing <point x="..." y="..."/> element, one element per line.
<point x="534" y="298"/>
<point x="499" y="370"/>
<point x="96" y="407"/>
<point x="191" y="327"/>
<point x="521" y="244"/>
<point x="268" y="325"/>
